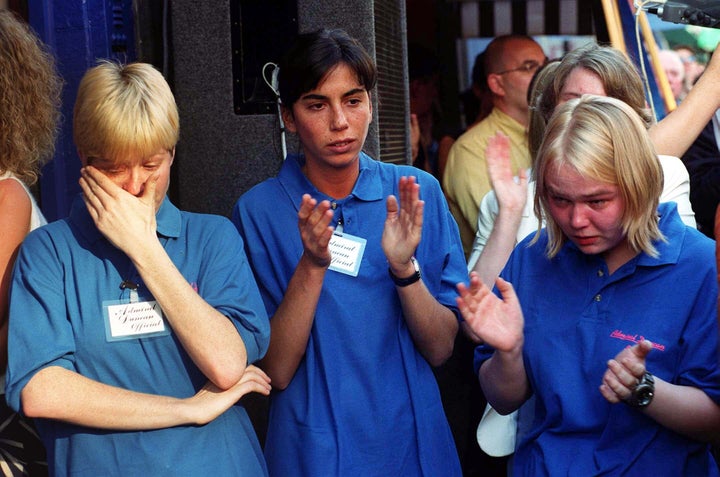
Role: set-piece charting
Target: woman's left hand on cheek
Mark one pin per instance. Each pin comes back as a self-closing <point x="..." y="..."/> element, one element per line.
<point x="124" y="219"/>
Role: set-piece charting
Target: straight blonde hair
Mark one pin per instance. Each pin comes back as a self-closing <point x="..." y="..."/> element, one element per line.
<point x="124" y="110"/>
<point x="603" y="139"/>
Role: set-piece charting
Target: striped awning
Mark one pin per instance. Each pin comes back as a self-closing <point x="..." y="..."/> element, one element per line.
<point x="489" y="18"/>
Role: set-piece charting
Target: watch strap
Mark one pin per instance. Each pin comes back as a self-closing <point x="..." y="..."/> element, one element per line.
<point x="403" y="282"/>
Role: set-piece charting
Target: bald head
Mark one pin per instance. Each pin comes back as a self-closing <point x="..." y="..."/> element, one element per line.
<point x="498" y="55"/>
<point x="674" y="70"/>
<point x="510" y="62"/>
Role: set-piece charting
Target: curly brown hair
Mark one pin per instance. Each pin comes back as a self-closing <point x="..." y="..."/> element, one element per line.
<point x="30" y="91"/>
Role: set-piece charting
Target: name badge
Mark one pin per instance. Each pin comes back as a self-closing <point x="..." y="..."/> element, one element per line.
<point x="125" y="321"/>
<point x="346" y="251"/>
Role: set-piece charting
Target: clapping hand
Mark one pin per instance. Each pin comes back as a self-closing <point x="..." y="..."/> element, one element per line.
<point x="314" y="222"/>
<point x="499" y="323"/>
<point x="511" y="194"/>
<point x="403" y="226"/>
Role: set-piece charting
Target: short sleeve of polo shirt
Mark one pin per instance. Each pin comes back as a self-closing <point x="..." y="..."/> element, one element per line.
<point x="228" y="285"/>
<point x="440" y="250"/>
<point x="699" y="349"/>
<point x="39" y="333"/>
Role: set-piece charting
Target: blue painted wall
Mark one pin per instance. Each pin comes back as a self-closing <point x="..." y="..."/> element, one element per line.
<point x="79" y="33"/>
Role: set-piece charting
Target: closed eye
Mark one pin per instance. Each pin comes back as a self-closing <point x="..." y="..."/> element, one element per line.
<point x="111" y="171"/>
<point x="597" y="203"/>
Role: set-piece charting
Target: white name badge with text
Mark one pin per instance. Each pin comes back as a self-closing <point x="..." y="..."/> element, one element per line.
<point x="347" y="252"/>
<point x="124" y="321"/>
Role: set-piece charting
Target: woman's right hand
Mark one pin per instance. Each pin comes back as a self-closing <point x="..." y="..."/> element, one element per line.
<point x="315" y="231"/>
<point x="499" y="323"/>
<point x="211" y="401"/>
<point x="511" y="194"/>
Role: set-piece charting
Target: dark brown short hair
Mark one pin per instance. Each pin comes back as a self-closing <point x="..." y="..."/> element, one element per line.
<point x="313" y="55"/>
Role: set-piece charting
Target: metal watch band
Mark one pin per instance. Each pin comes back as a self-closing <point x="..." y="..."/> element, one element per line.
<point x="643" y="393"/>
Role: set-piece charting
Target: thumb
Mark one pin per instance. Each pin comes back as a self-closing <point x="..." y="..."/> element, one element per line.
<point x="506" y="290"/>
<point x="392" y="206"/>
<point x="522" y="174"/>
<point x="642" y="349"/>
<point x="150" y="187"/>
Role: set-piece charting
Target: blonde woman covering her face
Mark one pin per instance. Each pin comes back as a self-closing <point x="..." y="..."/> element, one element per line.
<point x="134" y="325"/>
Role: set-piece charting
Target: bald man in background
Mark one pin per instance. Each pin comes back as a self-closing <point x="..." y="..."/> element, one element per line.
<point x="510" y="62"/>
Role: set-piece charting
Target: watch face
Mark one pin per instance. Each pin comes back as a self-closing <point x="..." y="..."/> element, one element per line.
<point x="644" y="394"/>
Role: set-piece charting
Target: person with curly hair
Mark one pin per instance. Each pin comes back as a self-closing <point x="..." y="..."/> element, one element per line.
<point x="29" y="112"/>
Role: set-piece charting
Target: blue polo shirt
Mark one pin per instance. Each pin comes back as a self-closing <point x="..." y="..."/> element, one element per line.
<point x="363" y="402"/>
<point x="63" y="274"/>
<point x="577" y="317"/>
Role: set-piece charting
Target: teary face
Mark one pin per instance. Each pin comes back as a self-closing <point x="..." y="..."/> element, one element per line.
<point x="132" y="173"/>
<point x="589" y="213"/>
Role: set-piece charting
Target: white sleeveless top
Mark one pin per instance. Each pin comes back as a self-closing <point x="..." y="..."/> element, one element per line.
<point x="37" y="219"/>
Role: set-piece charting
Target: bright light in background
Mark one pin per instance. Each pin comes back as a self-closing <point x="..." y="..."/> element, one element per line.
<point x="705" y="39"/>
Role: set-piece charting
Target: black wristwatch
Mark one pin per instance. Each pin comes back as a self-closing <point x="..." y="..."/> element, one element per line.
<point x="643" y="393"/>
<point x="403" y="282"/>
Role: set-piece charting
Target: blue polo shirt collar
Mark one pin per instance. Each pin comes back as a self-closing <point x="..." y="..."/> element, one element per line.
<point x="168" y="218"/>
<point x="674" y="229"/>
<point x="296" y="183"/>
